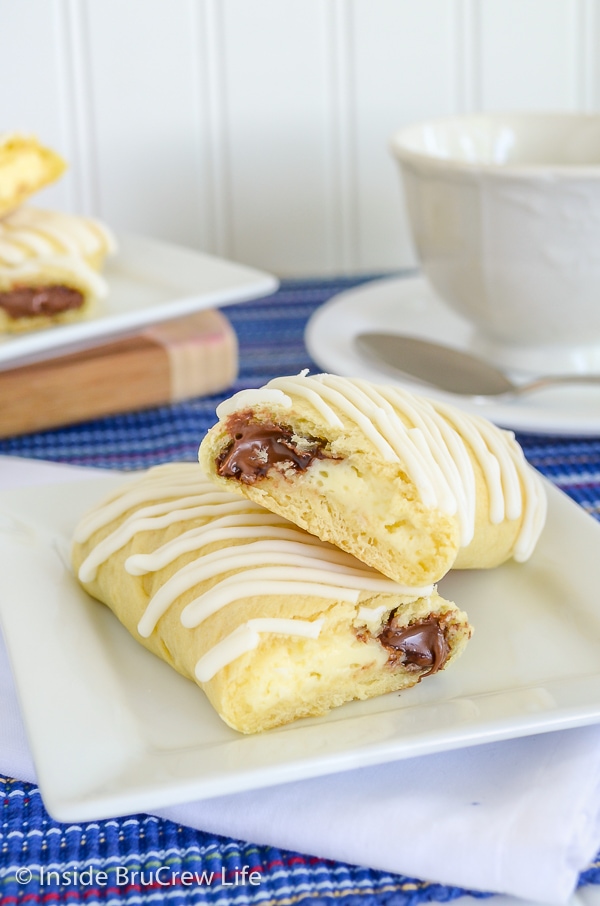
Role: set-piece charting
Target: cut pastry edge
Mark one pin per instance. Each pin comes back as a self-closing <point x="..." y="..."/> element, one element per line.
<point x="337" y="667"/>
<point x="331" y="491"/>
<point x="48" y="291"/>
<point x="268" y="671"/>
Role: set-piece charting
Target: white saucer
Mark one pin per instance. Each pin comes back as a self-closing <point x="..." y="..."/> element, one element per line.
<point x="408" y="305"/>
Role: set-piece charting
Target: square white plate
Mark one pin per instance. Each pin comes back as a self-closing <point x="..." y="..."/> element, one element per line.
<point x="148" y="281"/>
<point x="113" y="730"/>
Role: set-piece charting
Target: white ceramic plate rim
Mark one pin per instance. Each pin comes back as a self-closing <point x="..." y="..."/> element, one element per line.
<point x="113" y="730"/>
<point x="408" y="305"/>
<point x="179" y="281"/>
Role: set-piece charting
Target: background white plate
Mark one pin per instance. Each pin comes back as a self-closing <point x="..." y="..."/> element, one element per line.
<point x="114" y="730"/>
<point x="408" y="305"/>
<point x="149" y="281"/>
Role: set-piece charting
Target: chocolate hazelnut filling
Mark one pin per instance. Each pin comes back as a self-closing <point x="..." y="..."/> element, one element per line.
<point x="420" y="644"/>
<point x="28" y="301"/>
<point x="256" y="448"/>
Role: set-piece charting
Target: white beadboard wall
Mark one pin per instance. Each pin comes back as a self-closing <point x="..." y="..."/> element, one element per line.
<point x="258" y="129"/>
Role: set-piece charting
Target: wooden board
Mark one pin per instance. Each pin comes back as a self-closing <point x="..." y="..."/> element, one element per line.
<point x="176" y="360"/>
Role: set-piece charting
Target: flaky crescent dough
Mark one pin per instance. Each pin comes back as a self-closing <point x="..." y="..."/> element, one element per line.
<point x="272" y="624"/>
<point x="410" y="486"/>
<point x="34" y="233"/>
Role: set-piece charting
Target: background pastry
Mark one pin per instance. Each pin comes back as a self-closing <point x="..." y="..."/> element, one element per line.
<point x="410" y="486"/>
<point x="273" y="624"/>
<point x="26" y="166"/>
<point x="47" y="291"/>
<point x="49" y="264"/>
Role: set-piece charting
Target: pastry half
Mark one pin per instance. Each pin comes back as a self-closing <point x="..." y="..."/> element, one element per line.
<point x="26" y="166"/>
<point x="43" y="292"/>
<point x="270" y="622"/>
<point x="410" y="486"/>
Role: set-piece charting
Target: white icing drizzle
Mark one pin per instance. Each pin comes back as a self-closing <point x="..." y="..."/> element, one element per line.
<point x="348" y="406"/>
<point x="247" y="637"/>
<point x="34" y="243"/>
<point x="368" y="613"/>
<point x="435" y="438"/>
<point x="275" y="529"/>
<point x="10" y="254"/>
<point x="28" y="232"/>
<point x="248" y="398"/>
<point x="275" y="535"/>
<point x="314" y="398"/>
<point x="370" y="617"/>
<point x="220" y="597"/>
<point x="259" y="554"/>
<point x="197" y="538"/>
<point x="146" y="519"/>
<point x="432" y="441"/>
<point x="16" y="251"/>
<point x="290" y="579"/>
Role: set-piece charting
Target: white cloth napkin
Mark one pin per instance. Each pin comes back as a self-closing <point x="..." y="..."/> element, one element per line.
<point x="520" y="817"/>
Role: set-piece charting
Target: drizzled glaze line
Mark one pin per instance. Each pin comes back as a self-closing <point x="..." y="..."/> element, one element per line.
<point x="219" y="597"/>
<point x="19" y="247"/>
<point x="274" y="556"/>
<point x="369" y="425"/>
<point x="29" y="232"/>
<point x="280" y="537"/>
<point x="252" y="397"/>
<point x="440" y="441"/>
<point x="247" y="637"/>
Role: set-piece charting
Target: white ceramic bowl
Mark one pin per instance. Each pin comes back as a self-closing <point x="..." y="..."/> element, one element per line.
<point x="505" y="216"/>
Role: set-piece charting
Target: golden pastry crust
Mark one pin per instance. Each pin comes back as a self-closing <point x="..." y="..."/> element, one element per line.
<point x="26" y="166"/>
<point x="408" y="486"/>
<point x="272" y="624"/>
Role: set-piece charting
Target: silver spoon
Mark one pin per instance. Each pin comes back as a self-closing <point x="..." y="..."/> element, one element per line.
<point x="451" y="369"/>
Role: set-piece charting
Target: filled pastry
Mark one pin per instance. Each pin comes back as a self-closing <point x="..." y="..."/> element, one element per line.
<point x="410" y="486"/>
<point x="26" y="166"/>
<point x="43" y="292"/>
<point x="270" y="622"/>
<point x="49" y="263"/>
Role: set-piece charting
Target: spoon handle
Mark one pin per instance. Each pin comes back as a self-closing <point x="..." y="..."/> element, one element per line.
<point x="553" y="380"/>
